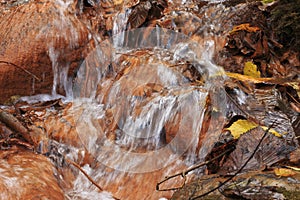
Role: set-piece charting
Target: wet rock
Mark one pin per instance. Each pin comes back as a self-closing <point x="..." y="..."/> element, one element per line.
<point x="38" y="38"/>
<point x="26" y="175"/>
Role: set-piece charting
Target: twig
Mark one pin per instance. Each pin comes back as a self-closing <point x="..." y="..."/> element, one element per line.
<point x="184" y="173"/>
<point x="25" y="70"/>
<point x="239" y="171"/>
<point x="13" y="123"/>
<point x="86" y="175"/>
<point x="15" y="141"/>
<point x="293" y="97"/>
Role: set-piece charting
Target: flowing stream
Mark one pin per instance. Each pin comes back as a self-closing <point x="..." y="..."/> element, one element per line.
<point x="145" y="121"/>
<point x="143" y="104"/>
<point x="138" y="102"/>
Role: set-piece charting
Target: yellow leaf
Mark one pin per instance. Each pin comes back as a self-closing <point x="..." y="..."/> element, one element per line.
<point x="284" y="172"/>
<point x="271" y="131"/>
<point x="240" y="127"/>
<point x="250" y="69"/>
<point x="241" y="77"/>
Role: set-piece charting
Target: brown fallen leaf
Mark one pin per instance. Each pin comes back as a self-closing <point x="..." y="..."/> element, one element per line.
<point x="244" y="27"/>
<point x="273" y="149"/>
<point x="139" y="14"/>
<point x="145" y="10"/>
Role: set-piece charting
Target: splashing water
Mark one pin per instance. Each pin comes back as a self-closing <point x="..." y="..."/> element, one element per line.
<point x="53" y="58"/>
<point x="60" y="75"/>
<point x="119" y="26"/>
<point x="62" y="34"/>
<point x="150" y="115"/>
<point x="138" y="114"/>
<point x="138" y="101"/>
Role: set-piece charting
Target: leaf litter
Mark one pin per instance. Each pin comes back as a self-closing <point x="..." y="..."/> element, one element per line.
<point x="271" y="90"/>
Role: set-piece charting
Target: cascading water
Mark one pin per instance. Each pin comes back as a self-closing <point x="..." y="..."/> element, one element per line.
<point x="137" y="111"/>
<point x="154" y="113"/>
<point x="66" y="30"/>
<point x="144" y="104"/>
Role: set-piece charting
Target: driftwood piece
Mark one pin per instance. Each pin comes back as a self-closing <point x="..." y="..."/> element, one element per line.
<point x="14" y="124"/>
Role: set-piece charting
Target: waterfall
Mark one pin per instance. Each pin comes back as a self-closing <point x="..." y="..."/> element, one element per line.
<point x="148" y="116"/>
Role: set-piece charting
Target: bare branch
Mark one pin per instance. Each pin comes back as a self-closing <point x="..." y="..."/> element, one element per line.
<point x="22" y="68"/>
<point x="184" y="173"/>
<point x="13" y="123"/>
<point x="239" y="171"/>
<point x="86" y="175"/>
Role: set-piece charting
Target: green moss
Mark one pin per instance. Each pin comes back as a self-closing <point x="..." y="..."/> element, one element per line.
<point x="285" y="22"/>
<point x="290" y="195"/>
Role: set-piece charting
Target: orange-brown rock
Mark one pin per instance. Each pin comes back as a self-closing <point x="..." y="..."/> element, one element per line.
<point x="26" y="175"/>
<point x="34" y="37"/>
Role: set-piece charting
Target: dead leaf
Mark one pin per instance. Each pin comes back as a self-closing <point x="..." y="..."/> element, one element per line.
<point x="146" y="11"/>
<point x="244" y="27"/>
<point x="267" y="1"/>
<point x="284" y="172"/>
<point x="241" y="77"/>
<point x="139" y="14"/>
<point x="118" y="2"/>
<point x="250" y="69"/>
<point x="242" y="126"/>
<point x="294" y="168"/>
<point x="296" y="86"/>
<point x="272" y="131"/>
<point x="131" y="3"/>
<point x="271" y="150"/>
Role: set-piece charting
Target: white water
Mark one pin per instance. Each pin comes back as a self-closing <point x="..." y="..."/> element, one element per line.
<point x="82" y="189"/>
<point x="139" y="147"/>
<point x="61" y="29"/>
